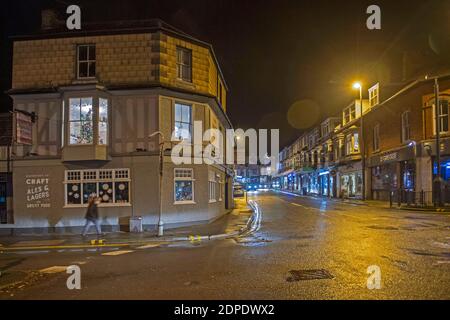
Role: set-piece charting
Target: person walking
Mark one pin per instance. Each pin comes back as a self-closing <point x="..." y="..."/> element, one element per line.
<point x="92" y="216"/>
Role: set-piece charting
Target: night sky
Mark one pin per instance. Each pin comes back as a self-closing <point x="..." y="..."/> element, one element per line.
<point x="278" y="54"/>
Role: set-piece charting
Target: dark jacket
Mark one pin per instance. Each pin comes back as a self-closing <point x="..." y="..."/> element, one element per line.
<point x="92" y="212"/>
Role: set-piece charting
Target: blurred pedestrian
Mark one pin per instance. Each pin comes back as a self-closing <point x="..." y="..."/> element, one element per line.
<point x="92" y="216"/>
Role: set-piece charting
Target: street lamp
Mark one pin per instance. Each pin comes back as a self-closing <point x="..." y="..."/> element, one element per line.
<point x="358" y="86"/>
<point x="162" y="141"/>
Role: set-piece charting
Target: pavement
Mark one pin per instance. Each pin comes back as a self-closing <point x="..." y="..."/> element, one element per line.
<point x="299" y="248"/>
<point x="373" y="203"/>
<point x="236" y="222"/>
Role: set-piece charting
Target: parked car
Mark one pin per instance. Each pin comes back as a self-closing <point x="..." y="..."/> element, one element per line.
<point x="238" y="190"/>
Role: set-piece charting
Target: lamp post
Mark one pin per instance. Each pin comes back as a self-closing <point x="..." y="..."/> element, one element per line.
<point x="162" y="141"/>
<point x="437" y="179"/>
<point x="358" y="86"/>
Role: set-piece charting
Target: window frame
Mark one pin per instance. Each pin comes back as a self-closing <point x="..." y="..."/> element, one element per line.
<point x="181" y="64"/>
<point x="88" y="61"/>
<point x="191" y="178"/>
<point x="183" y="104"/>
<point x="82" y="180"/>
<point x="433" y="106"/>
<point x="69" y="121"/>
<point x="374" y="95"/>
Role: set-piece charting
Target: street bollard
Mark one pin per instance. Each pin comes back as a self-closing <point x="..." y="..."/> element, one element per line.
<point x="160" y="228"/>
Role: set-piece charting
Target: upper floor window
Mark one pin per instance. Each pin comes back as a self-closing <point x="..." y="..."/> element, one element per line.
<point x="376" y="137"/>
<point x="183" y="122"/>
<point x="325" y="129"/>
<point x="86" y="61"/>
<point x="352" y="144"/>
<point x="349" y="114"/>
<point x="374" y="97"/>
<point x="184" y="64"/>
<point x="406" y="127"/>
<point x="81" y="128"/>
<point x="443" y="117"/>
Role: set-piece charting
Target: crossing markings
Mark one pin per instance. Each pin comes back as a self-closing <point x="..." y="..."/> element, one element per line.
<point x="54" y="269"/>
<point x="116" y="253"/>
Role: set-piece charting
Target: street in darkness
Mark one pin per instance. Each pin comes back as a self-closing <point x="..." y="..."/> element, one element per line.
<point x="297" y="234"/>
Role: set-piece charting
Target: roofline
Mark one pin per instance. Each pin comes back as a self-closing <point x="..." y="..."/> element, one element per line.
<point x="160" y="26"/>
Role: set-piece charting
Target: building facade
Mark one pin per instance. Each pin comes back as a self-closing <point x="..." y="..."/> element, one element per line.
<point x="399" y="132"/>
<point x="96" y="97"/>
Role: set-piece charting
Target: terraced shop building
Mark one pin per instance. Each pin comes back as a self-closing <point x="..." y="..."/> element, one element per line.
<point x="95" y="96"/>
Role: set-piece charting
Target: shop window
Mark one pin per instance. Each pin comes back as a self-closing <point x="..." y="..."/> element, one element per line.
<point x="184" y="64"/>
<point x="81" y="129"/>
<point x="405" y="127"/>
<point x="183" y="186"/>
<point x="183" y="122"/>
<point x="112" y="186"/>
<point x="102" y="121"/>
<point x="86" y="61"/>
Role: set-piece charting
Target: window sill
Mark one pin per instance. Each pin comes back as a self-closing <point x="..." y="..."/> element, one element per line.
<point x="212" y="201"/>
<point x="103" y="205"/>
<point x="184" y="202"/>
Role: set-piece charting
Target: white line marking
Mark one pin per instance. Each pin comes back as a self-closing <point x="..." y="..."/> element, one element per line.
<point x="147" y="246"/>
<point x="54" y="269"/>
<point x="116" y="253"/>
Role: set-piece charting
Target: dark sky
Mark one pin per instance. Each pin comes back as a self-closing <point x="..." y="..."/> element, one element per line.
<point x="275" y="54"/>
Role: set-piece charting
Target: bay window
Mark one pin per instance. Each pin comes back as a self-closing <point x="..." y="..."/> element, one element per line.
<point x="102" y="121"/>
<point x="81" y="129"/>
<point x="352" y="144"/>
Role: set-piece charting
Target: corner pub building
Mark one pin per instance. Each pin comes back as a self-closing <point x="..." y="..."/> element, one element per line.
<point x="96" y="96"/>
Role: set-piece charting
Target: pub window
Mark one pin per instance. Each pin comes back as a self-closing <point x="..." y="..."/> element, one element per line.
<point x="81" y="129"/>
<point x="86" y="61"/>
<point x="212" y="186"/>
<point x="405" y="127"/>
<point x="184" y="64"/>
<point x="112" y="186"/>
<point x="183" y="185"/>
<point x="183" y="122"/>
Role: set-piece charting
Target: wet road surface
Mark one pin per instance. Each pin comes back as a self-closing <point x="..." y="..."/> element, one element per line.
<point x="305" y="248"/>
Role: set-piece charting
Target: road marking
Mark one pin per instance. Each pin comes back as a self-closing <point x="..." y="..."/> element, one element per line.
<point x="54" y="269"/>
<point x="35" y="243"/>
<point x="65" y="246"/>
<point x="151" y="245"/>
<point x="116" y="253"/>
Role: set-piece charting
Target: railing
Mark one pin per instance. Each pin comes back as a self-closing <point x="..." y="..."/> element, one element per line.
<point x="413" y="198"/>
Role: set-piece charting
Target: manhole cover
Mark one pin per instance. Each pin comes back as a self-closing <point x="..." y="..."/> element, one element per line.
<point x="312" y="274"/>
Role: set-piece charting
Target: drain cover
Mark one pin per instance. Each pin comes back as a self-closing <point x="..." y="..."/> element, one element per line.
<point x="312" y="274"/>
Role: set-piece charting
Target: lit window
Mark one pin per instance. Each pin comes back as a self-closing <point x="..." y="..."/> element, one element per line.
<point x="183" y="122"/>
<point x="86" y="61"/>
<point x="352" y="144"/>
<point x="112" y="186"/>
<point x="374" y="97"/>
<point x="184" y="64"/>
<point x="103" y="121"/>
<point x="81" y="121"/>
<point x="184" y="185"/>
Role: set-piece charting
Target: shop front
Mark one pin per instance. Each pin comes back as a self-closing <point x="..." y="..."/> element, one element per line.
<point x="350" y="180"/>
<point x="392" y="171"/>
